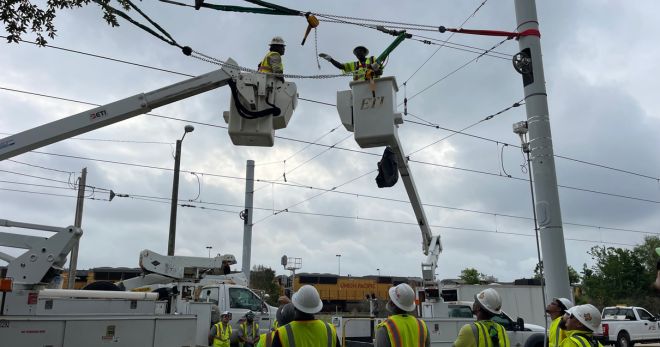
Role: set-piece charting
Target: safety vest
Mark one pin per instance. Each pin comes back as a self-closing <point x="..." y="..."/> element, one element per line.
<point x="359" y="69"/>
<point x="578" y="338"/>
<point x="266" y="340"/>
<point x="255" y="328"/>
<point x="265" y="66"/>
<point x="222" y="335"/>
<point x="307" y="333"/>
<point x="555" y="334"/>
<point x="405" y="330"/>
<point x="487" y="333"/>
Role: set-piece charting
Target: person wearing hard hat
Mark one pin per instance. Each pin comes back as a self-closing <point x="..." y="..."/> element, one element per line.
<point x="360" y="67"/>
<point x="305" y="330"/>
<point x="401" y="328"/>
<point x="284" y="315"/>
<point x="282" y="301"/>
<point x="484" y="332"/>
<point x="272" y="62"/>
<point x="221" y="332"/>
<point x="248" y="332"/>
<point x="556" y="309"/>
<point x="581" y="324"/>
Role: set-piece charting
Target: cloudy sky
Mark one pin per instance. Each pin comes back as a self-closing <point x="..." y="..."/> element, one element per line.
<point x="599" y="59"/>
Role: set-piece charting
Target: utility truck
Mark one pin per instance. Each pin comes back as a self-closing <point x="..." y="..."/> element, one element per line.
<point x="624" y="326"/>
<point x="32" y="314"/>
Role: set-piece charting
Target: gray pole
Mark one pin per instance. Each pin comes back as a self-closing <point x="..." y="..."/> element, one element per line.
<point x="73" y="263"/>
<point x="247" y="219"/>
<point x="175" y="199"/>
<point x="545" y="178"/>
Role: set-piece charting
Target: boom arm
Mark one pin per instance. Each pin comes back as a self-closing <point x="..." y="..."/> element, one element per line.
<point x="112" y="113"/>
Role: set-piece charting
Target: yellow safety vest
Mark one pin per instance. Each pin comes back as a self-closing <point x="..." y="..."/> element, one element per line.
<point x="405" y="330"/>
<point x="555" y="334"/>
<point x="266" y="340"/>
<point x="578" y="338"/>
<point x="255" y="328"/>
<point x="265" y="66"/>
<point x="221" y="338"/>
<point x="359" y="69"/>
<point x="486" y="332"/>
<point x="307" y="333"/>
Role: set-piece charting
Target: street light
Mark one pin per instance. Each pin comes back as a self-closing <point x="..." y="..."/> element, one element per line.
<point x="338" y="264"/>
<point x="175" y="190"/>
<point x="378" y="272"/>
<point x="209" y="248"/>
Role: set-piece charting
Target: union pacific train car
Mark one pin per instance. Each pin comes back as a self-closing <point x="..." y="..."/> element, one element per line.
<point x="345" y="293"/>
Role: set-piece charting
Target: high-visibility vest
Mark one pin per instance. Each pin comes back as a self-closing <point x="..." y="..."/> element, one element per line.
<point x="487" y="333"/>
<point x="222" y="335"/>
<point x="255" y="329"/>
<point x="265" y="66"/>
<point x="358" y="68"/>
<point x="405" y="330"/>
<point x="266" y="340"/>
<point x="555" y="334"/>
<point x="578" y="338"/>
<point x="307" y="333"/>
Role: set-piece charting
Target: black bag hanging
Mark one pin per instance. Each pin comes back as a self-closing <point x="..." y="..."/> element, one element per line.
<point x="388" y="171"/>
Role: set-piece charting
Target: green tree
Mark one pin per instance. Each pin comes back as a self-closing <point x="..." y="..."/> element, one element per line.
<point x="263" y="278"/>
<point x="19" y="16"/>
<point x="573" y="275"/>
<point x="471" y="276"/>
<point x="618" y="276"/>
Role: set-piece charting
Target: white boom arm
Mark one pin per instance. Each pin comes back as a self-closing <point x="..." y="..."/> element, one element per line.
<point x="111" y="113"/>
<point x="181" y="267"/>
<point x="43" y="254"/>
<point x="369" y="110"/>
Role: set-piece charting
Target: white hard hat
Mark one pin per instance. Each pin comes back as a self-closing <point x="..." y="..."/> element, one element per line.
<point x="489" y="299"/>
<point x="567" y="304"/>
<point x="307" y="300"/>
<point x="277" y="40"/>
<point x="588" y="315"/>
<point x="403" y="296"/>
<point x="225" y="313"/>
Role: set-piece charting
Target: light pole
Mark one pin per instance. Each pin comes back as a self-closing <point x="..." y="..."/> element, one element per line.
<point x="175" y="190"/>
<point x="209" y="248"/>
<point x="338" y="264"/>
<point x="378" y="272"/>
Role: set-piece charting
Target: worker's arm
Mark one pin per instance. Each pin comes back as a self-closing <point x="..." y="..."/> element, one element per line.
<point x="275" y="61"/>
<point x="337" y="64"/>
<point x="212" y="333"/>
<point x="382" y="339"/>
<point x="465" y="337"/>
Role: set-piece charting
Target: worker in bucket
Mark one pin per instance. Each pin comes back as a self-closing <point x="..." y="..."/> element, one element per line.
<point x="284" y="315"/>
<point x="272" y="62"/>
<point x="248" y="334"/>
<point x="581" y="324"/>
<point x="484" y="332"/>
<point x="221" y="332"/>
<point x="401" y="328"/>
<point x="556" y="309"/>
<point x="360" y="67"/>
<point x="305" y="330"/>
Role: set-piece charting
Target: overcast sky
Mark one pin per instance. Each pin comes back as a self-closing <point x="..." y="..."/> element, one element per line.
<point x="600" y="60"/>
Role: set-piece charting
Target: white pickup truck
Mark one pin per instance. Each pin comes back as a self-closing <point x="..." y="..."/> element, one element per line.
<point x="625" y="326"/>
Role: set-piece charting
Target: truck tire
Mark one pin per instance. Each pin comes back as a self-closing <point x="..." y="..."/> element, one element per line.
<point x="536" y="340"/>
<point x="623" y="340"/>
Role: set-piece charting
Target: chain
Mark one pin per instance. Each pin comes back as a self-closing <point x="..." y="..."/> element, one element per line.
<point x="216" y="61"/>
<point x="316" y="48"/>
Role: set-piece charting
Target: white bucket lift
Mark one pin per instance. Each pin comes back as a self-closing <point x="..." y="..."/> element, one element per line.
<point x="258" y="93"/>
<point x="371" y="115"/>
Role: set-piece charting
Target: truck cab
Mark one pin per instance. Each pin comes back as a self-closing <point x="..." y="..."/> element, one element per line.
<point x="238" y="300"/>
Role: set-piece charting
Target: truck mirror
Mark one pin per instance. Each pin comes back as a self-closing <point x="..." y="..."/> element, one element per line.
<point x="520" y="324"/>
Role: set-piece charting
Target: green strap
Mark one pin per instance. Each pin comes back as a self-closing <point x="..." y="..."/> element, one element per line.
<point x="402" y="36"/>
<point x="276" y="7"/>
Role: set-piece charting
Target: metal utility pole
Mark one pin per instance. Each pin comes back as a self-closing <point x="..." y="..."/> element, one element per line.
<point x="175" y="191"/>
<point x="73" y="263"/>
<point x="530" y="64"/>
<point x="247" y="219"/>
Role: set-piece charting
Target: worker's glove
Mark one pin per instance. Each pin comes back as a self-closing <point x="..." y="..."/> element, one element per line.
<point x="325" y="56"/>
<point x="376" y="67"/>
